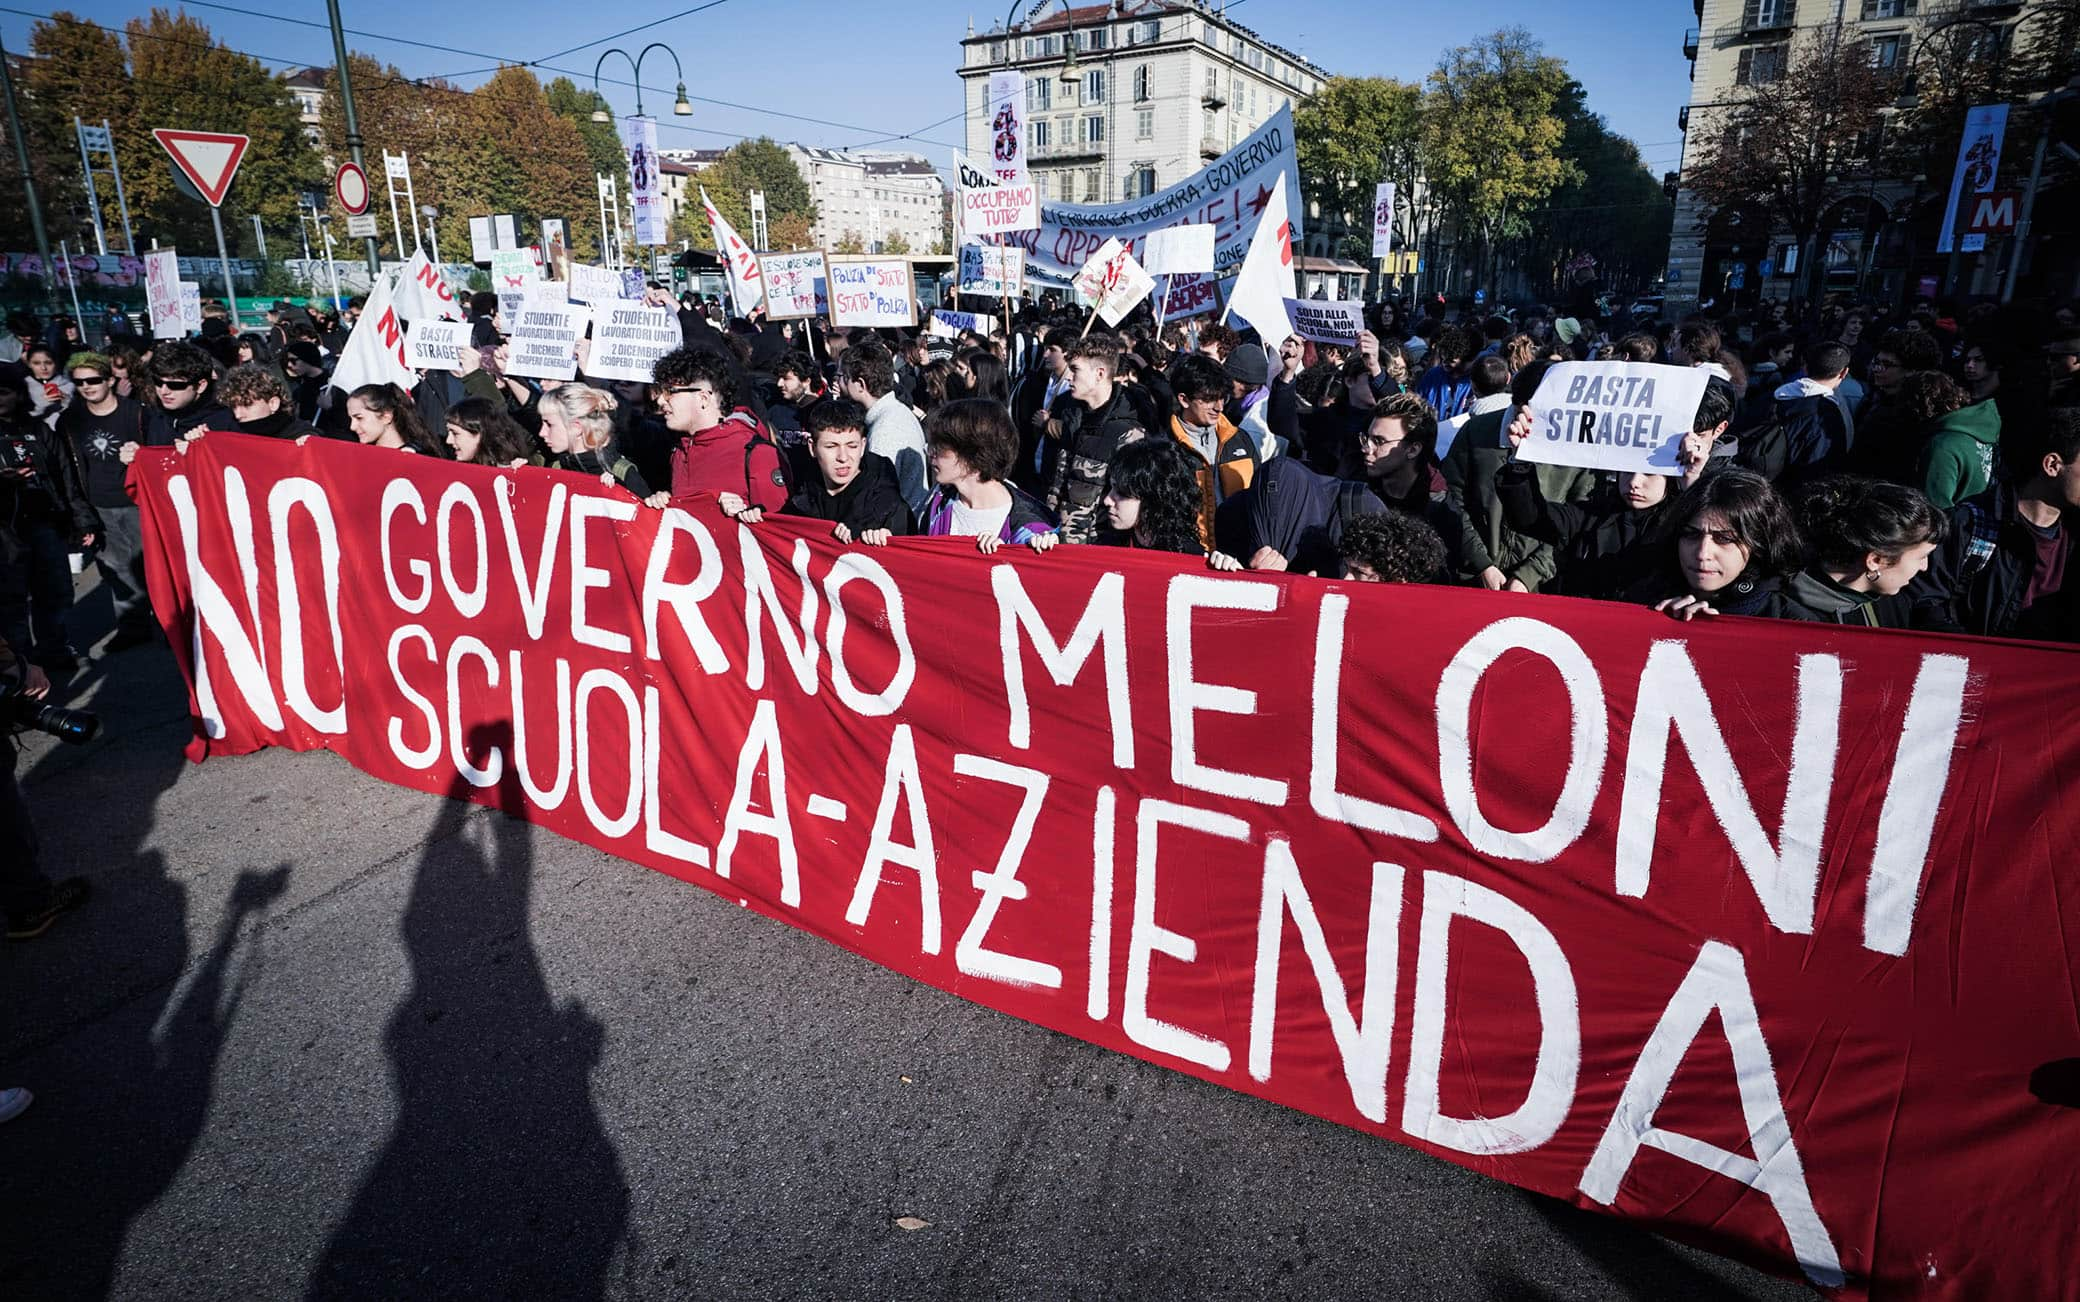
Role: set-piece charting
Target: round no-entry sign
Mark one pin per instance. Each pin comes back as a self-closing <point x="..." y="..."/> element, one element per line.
<point x="350" y="187"/>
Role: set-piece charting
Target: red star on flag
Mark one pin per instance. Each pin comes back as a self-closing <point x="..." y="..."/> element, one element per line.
<point x="1256" y="205"/>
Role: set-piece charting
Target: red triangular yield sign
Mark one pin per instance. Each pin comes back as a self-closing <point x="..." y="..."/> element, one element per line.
<point x="210" y="158"/>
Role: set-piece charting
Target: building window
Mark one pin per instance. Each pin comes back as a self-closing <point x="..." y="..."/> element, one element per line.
<point x="1761" y="64"/>
<point x="1039" y="94"/>
<point x="1142" y="82"/>
<point x="1094" y="86"/>
<point x="1213" y="83"/>
<point x="1091" y="192"/>
<point x="996" y="52"/>
<point x="1094" y="130"/>
<point x="1888" y="53"/>
<point x="1144" y="124"/>
<point x="1887" y="9"/>
<point x="1142" y="183"/>
<point x="1040" y="134"/>
<point x="1210" y="127"/>
<point x="1768" y="13"/>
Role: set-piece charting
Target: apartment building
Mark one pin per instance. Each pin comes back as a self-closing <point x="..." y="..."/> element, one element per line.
<point x="1161" y="88"/>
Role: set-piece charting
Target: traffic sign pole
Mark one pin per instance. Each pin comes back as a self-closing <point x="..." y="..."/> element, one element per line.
<point x="346" y="103"/>
<point x="216" y="219"/>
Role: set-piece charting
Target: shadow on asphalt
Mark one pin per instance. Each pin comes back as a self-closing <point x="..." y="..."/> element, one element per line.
<point x="1638" y="1266"/>
<point x="498" y="1179"/>
<point x="113" y="1126"/>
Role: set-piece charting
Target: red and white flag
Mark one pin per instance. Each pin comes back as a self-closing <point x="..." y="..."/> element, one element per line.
<point x="375" y="350"/>
<point x="423" y="294"/>
<point x="745" y="285"/>
<point x="1266" y="279"/>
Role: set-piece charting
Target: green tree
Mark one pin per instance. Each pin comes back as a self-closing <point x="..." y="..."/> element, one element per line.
<point x="745" y="166"/>
<point x="895" y="242"/>
<point x="79" y="69"/>
<point x="1355" y="133"/>
<point x="1612" y="209"/>
<point x="1491" y="137"/>
<point x="602" y="143"/>
<point x="420" y="120"/>
<point x="182" y="78"/>
<point x="849" y="242"/>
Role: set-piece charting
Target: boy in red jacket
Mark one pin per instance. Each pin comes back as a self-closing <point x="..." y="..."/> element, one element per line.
<point x="722" y="447"/>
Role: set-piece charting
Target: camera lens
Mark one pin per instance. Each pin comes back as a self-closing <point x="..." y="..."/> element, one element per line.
<point x="75" y="727"/>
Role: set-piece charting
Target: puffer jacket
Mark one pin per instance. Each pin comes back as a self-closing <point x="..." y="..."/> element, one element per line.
<point x="1086" y="441"/>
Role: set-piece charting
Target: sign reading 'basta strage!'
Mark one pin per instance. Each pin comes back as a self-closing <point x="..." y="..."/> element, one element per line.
<point x="1614" y="415"/>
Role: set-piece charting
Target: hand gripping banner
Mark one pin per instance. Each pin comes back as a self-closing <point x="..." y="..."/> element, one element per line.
<point x="1762" y="934"/>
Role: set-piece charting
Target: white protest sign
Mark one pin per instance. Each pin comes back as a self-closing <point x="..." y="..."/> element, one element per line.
<point x="1326" y="322"/>
<point x="989" y="206"/>
<point x="589" y="284"/>
<point x="991" y="271"/>
<point x="1614" y="415"/>
<point x="1178" y="250"/>
<point x="514" y="268"/>
<point x="162" y="288"/>
<point x="950" y="324"/>
<point x="1382" y="220"/>
<point x="627" y="340"/>
<point x="435" y="345"/>
<point x="510" y="301"/>
<point x="191" y="306"/>
<point x="1113" y="281"/>
<point x="545" y="340"/>
<point x="1191" y="295"/>
<point x="797" y="285"/>
<point x="872" y="292"/>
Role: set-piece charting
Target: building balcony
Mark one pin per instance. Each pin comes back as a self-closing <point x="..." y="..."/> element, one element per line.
<point x="1690" y="45"/>
<point x="1213" y="99"/>
<point x="1062" y="151"/>
<point x="1211" y="148"/>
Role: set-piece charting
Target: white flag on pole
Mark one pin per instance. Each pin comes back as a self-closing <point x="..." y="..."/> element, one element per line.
<point x="746" y="286"/>
<point x="375" y="350"/>
<point x="1266" y="279"/>
<point x="423" y="294"/>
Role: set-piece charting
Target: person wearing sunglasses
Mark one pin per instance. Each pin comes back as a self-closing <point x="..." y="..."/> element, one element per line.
<point x="100" y="423"/>
<point x="43" y="505"/>
<point x="183" y="385"/>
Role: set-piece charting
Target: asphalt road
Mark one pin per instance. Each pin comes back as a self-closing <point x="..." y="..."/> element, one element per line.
<point x="320" y="1036"/>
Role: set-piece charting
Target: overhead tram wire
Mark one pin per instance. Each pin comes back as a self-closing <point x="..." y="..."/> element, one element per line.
<point x="684" y="13"/>
<point x="425" y="83"/>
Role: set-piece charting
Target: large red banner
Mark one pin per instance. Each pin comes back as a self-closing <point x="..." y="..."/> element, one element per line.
<point x="1751" y="931"/>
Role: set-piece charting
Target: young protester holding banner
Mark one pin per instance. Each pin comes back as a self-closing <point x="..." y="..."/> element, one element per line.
<point x="867" y="375"/>
<point x="481" y="434"/>
<point x="383" y="417"/>
<point x="722" y="448"/>
<point x="854" y="489"/>
<point x="1869" y="540"/>
<point x="1098" y="416"/>
<point x="1392" y="548"/>
<point x="1152" y="497"/>
<point x="1490" y="551"/>
<point x="578" y="430"/>
<point x="1606" y="548"/>
<point x="1734" y="544"/>
<point x="972" y="448"/>
<point x="181" y="376"/>
<point x="262" y="403"/>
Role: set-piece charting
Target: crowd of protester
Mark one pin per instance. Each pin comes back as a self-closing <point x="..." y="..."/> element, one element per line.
<point x="1900" y="468"/>
<point x="1904" y="468"/>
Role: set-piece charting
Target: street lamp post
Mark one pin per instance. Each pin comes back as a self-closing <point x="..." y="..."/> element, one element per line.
<point x="433" y="239"/>
<point x="680" y="106"/>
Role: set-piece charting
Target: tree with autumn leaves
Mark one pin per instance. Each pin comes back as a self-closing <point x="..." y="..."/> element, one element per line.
<point x="1482" y="154"/>
<point x="164" y="71"/>
<point x="760" y="164"/>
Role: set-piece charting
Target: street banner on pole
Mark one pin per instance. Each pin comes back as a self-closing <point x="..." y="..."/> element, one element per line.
<point x="653" y="216"/>
<point x="1383" y="220"/>
<point x="1978" y="165"/>
<point x="1007" y="126"/>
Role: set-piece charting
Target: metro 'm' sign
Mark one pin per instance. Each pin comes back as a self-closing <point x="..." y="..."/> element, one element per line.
<point x="1993" y="213"/>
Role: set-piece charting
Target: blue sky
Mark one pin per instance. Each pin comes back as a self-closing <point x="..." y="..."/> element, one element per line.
<point x="869" y="72"/>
